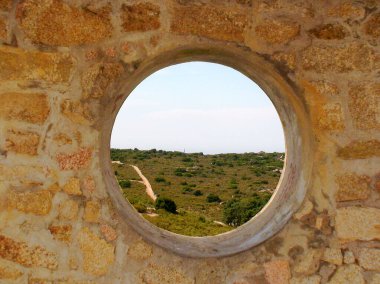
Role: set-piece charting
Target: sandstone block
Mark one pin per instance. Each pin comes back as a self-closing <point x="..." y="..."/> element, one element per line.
<point x="163" y="274"/>
<point x="3" y="29"/>
<point x="277" y="31"/>
<point x="329" y="31"/>
<point x="5" y="5"/>
<point x="34" y="202"/>
<point x="209" y="21"/>
<point x="375" y="279"/>
<point x="20" y="65"/>
<point x="140" y="250"/>
<point x="76" y="160"/>
<point x="9" y="272"/>
<point x="360" y="150"/>
<point x="353" y="187"/>
<point x="77" y="112"/>
<point x="346" y="10"/>
<point x="333" y="256"/>
<point x="32" y="108"/>
<point x="72" y="187"/>
<point x="369" y="259"/>
<point x="315" y="279"/>
<point x="287" y="59"/>
<point x="92" y="211"/>
<point x="98" y="255"/>
<point x="58" y="24"/>
<point x="108" y="232"/>
<point x="325" y="88"/>
<point x="364" y="106"/>
<point x="277" y="271"/>
<point x="349" y="257"/>
<point x="140" y="17"/>
<point x="356" y="223"/>
<point x="25" y="255"/>
<point x="350" y="273"/>
<point x="99" y="77"/>
<point x="61" y="233"/>
<point x="308" y="263"/>
<point x="351" y="57"/>
<point x="372" y="26"/>
<point x="68" y="210"/>
<point x="22" y="142"/>
<point x="331" y="117"/>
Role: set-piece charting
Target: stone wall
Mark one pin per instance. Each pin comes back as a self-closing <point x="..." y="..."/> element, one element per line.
<point x="59" y="61"/>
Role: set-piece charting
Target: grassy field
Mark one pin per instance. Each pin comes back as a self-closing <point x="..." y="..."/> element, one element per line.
<point x="226" y="188"/>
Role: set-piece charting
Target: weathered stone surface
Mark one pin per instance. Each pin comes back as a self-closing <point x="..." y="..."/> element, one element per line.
<point x="140" y="17"/>
<point x="162" y="274"/>
<point x="350" y="273"/>
<point x="22" y="142"/>
<point x="58" y="24"/>
<point x="346" y="10"/>
<point x="68" y="210"/>
<point x="277" y="271"/>
<point x="140" y="250"/>
<point x="277" y="31"/>
<point x="360" y="150"/>
<point x="325" y="88"/>
<point x="356" y="223"/>
<point x="34" y="202"/>
<point x="108" y="232"/>
<point x="77" y="112"/>
<point x="287" y="59"/>
<point x="333" y="256"/>
<point x="351" y="57"/>
<point x="5" y="5"/>
<point x="372" y="26"/>
<point x="331" y="117"/>
<point x="32" y="108"/>
<point x="210" y="21"/>
<point x="72" y="187"/>
<point x="75" y="161"/>
<point x="329" y="31"/>
<point x="375" y="279"/>
<point x="369" y="258"/>
<point x="308" y="263"/>
<point x="315" y="279"/>
<point x="61" y="232"/>
<point x="364" y="105"/>
<point x="305" y="210"/>
<point x="98" y="255"/>
<point x="9" y="272"/>
<point x="349" y="257"/>
<point x="25" y="255"/>
<point x="353" y="187"/>
<point x="99" y="77"/>
<point x="92" y="211"/>
<point x="20" y="65"/>
<point x="3" y="29"/>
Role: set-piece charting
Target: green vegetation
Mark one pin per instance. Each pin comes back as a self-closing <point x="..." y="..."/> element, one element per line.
<point x="207" y="190"/>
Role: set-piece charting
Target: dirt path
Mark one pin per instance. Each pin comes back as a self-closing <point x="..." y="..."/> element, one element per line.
<point x="149" y="189"/>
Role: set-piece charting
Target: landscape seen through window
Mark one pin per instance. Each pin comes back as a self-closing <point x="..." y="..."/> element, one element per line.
<point x="197" y="149"/>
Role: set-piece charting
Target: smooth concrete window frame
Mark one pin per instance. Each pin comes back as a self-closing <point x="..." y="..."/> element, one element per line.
<point x="293" y="183"/>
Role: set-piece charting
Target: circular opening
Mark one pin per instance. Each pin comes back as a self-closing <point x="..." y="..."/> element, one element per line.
<point x="293" y="183"/>
<point x="197" y="149"/>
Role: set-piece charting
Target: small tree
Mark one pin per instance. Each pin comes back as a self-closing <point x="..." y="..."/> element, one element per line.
<point x="167" y="204"/>
<point x="198" y="193"/>
<point x="124" y="183"/>
<point x="213" y="198"/>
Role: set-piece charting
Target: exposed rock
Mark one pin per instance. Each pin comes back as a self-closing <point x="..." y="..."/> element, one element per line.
<point x="75" y="161"/>
<point x="329" y="31"/>
<point x="58" y="24"/>
<point x="92" y="211"/>
<point x="162" y="274"/>
<point x="98" y="255"/>
<point x="277" y="31"/>
<point x="360" y="150"/>
<point x="25" y="255"/>
<point x="140" y="250"/>
<point x="34" y="202"/>
<point x="333" y="256"/>
<point x="356" y="223"/>
<point x="350" y="273"/>
<point x="213" y="22"/>
<point x="140" y="17"/>
<point x="68" y="210"/>
<point x="277" y="271"/>
<point x="372" y="26"/>
<point x="72" y="187"/>
<point x="22" y="142"/>
<point x="353" y="187"/>
<point x="369" y="259"/>
<point x="32" y="108"/>
<point x="61" y="232"/>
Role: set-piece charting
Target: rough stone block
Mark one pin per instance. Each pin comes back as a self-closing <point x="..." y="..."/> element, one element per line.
<point x="346" y="10"/>
<point x="34" y="202"/>
<point x="315" y="279"/>
<point x="61" y="232"/>
<point x="76" y="160"/>
<point x="325" y="88"/>
<point x="351" y="57"/>
<point x="210" y="21"/>
<point x="92" y="211"/>
<point x="58" y="24"/>
<point x="360" y="150"/>
<point x="356" y="223"/>
<point x="154" y="273"/>
<point x="287" y="59"/>
<point x="98" y="255"/>
<point x="7" y="271"/>
<point x="99" y="77"/>
<point x="350" y="273"/>
<point x="372" y="26"/>
<point x="21" y="65"/>
<point x="25" y="255"/>
<point x="369" y="259"/>
<point x="77" y="112"/>
<point x="68" y="210"/>
<point x="308" y="263"/>
<point x="3" y="29"/>
<point x="364" y="106"/>
<point x="32" y="108"/>
<point x="140" y="250"/>
<point x="22" y="142"/>
<point x="349" y="257"/>
<point x="353" y="187"/>
<point x="5" y="5"/>
<point x="333" y="256"/>
<point x="277" y="271"/>
<point x="108" y="232"/>
<point x="331" y="117"/>
<point x="329" y="31"/>
<point x="277" y="31"/>
<point x="140" y="17"/>
<point x="72" y="187"/>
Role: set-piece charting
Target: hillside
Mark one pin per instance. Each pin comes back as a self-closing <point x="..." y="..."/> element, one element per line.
<point x="212" y="193"/>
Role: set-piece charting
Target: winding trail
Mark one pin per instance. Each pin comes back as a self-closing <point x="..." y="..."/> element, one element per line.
<point x="149" y="189"/>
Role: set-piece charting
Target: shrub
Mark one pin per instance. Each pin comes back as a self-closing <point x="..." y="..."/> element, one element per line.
<point x="160" y="179"/>
<point x="213" y="198"/>
<point x="116" y="173"/>
<point x="198" y="193"/>
<point x="166" y="204"/>
<point x="140" y="207"/>
<point x="124" y="183"/>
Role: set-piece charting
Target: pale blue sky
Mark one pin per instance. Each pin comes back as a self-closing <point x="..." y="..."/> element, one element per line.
<point x="198" y="107"/>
